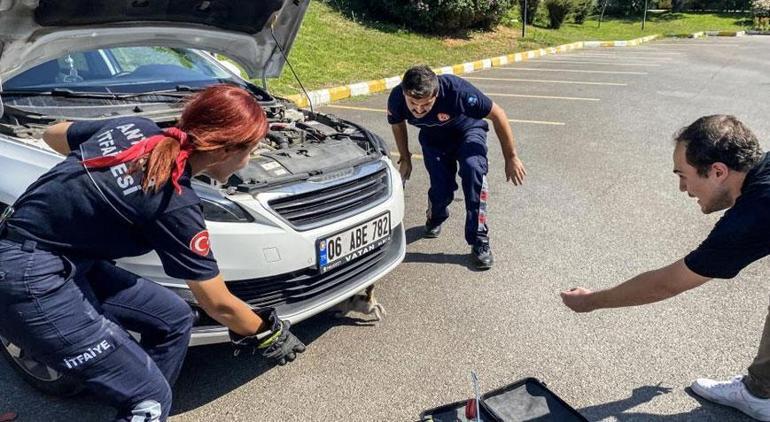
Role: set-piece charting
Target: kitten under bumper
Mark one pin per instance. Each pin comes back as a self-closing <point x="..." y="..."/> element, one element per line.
<point x="362" y="302"/>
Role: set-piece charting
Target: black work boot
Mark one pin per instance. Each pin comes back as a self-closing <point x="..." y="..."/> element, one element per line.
<point x="432" y="230"/>
<point x="482" y="256"/>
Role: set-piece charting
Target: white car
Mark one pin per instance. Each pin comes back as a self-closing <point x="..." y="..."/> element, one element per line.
<point x="315" y="218"/>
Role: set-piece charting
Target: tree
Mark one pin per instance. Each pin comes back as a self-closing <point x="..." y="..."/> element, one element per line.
<point x="557" y="11"/>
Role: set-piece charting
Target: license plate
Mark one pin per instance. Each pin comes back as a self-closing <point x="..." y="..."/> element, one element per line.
<point x="352" y="243"/>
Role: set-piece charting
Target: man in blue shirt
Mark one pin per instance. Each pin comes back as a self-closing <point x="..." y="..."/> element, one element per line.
<point x="720" y="162"/>
<point x="450" y="113"/>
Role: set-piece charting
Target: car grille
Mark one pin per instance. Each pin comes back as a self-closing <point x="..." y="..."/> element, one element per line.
<point x="323" y="206"/>
<point x="296" y="287"/>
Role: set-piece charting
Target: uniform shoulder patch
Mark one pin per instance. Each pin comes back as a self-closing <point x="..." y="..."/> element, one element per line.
<point x="200" y="243"/>
<point x="472" y="100"/>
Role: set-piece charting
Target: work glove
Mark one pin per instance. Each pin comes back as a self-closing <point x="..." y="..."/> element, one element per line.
<point x="277" y="343"/>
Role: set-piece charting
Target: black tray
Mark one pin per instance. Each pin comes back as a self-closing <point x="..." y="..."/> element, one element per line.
<point x="524" y="400"/>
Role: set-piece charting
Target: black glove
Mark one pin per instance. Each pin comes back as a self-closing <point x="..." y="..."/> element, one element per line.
<point x="277" y="343"/>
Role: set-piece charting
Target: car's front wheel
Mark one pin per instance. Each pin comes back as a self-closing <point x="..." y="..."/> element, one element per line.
<point x="39" y="375"/>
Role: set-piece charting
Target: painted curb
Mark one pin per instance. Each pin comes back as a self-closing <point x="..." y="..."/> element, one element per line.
<point x="725" y="33"/>
<point x="700" y="34"/>
<point x="325" y="96"/>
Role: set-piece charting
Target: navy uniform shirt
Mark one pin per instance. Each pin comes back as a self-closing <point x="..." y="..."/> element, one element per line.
<point x="104" y="214"/>
<point x="459" y="107"/>
<point x="742" y="235"/>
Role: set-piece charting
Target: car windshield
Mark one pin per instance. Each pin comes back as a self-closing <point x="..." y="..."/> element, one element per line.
<point x="122" y="70"/>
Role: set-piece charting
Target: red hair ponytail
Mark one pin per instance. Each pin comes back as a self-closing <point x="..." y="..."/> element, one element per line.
<point x="221" y="116"/>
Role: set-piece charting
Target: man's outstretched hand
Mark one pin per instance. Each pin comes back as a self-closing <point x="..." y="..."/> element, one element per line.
<point x="578" y="299"/>
<point x="515" y="171"/>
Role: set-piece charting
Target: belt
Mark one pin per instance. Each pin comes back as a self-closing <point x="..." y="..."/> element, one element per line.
<point x="27" y="244"/>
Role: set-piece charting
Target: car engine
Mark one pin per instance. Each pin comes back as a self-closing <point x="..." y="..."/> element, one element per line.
<point x="300" y="143"/>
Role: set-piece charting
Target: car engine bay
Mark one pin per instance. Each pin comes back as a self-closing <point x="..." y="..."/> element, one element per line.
<point x="299" y="144"/>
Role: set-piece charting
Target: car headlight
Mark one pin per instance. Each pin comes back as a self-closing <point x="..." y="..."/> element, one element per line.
<point x="224" y="210"/>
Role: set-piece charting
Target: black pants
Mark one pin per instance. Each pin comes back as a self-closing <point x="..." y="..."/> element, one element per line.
<point x="73" y="315"/>
<point x="442" y="157"/>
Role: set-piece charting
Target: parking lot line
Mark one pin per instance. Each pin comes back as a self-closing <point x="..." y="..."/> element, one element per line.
<point x="379" y="110"/>
<point x="699" y="45"/>
<point x="536" y="122"/>
<point x="647" y="52"/>
<point x="600" y="63"/>
<point x="417" y="156"/>
<point x="544" y="81"/>
<point x="626" y="57"/>
<point x="547" y="97"/>
<point x="382" y="110"/>
<point x="609" y="72"/>
<point x="623" y="60"/>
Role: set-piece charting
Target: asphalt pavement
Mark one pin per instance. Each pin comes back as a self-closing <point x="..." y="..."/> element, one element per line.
<point x="600" y="204"/>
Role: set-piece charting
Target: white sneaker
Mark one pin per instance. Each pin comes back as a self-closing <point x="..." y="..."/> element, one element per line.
<point x="734" y="394"/>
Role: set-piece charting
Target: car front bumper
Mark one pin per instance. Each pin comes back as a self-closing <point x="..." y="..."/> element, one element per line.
<point x="391" y="255"/>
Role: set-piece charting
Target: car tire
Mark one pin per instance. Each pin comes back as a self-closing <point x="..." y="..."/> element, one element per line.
<point x="38" y="375"/>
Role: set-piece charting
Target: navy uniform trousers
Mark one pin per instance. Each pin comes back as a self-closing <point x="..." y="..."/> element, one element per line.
<point x="73" y="315"/>
<point x="442" y="157"/>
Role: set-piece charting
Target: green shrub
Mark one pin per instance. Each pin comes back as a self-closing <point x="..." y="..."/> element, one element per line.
<point x="532" y="6"/>
<point x="721" y="5"/>
<point x="624" y="7"/>
<point x="761" y="11"/>
<point x="760" y="8"/>
<point x="636" y="7"/>
<point x="678" y="5"/>
<point x="512" y="17"/>
<point x="557" y="11"/>
<point x="582" y="9"/>
<point x="441" y="16"/>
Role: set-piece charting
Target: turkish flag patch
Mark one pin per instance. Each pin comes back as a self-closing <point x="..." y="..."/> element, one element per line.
<point x="443" y="117"/>
<point x="200" y="243"/>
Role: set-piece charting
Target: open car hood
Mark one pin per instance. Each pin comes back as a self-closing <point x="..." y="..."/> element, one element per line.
<point x="35" y="31"/>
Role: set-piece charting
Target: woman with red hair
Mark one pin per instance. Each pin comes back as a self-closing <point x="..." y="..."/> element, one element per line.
<point x="124" y="190"/>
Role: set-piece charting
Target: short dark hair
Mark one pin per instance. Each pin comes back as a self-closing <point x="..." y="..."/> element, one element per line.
<point x="719" y="138"/>
<point x="420" y="82"/>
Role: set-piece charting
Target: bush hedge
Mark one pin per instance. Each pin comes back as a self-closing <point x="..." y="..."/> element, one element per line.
<point x="623" y="7"/>
<point x="557" y="11"/>
<point x="761" y="8"/>
<point x="636" y="7"/>
<point x="583" y="8"/>
<point x="441" y="16"/>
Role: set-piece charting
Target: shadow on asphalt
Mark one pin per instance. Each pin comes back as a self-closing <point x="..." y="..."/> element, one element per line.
<point x="415" y="233"/>
<point x="463" y="260"/>
<point x="616" y="410"/>
<point x="201" y="380"/>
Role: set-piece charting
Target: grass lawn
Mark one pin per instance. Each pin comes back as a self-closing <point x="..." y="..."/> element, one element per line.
<point x="332" y="50"/>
